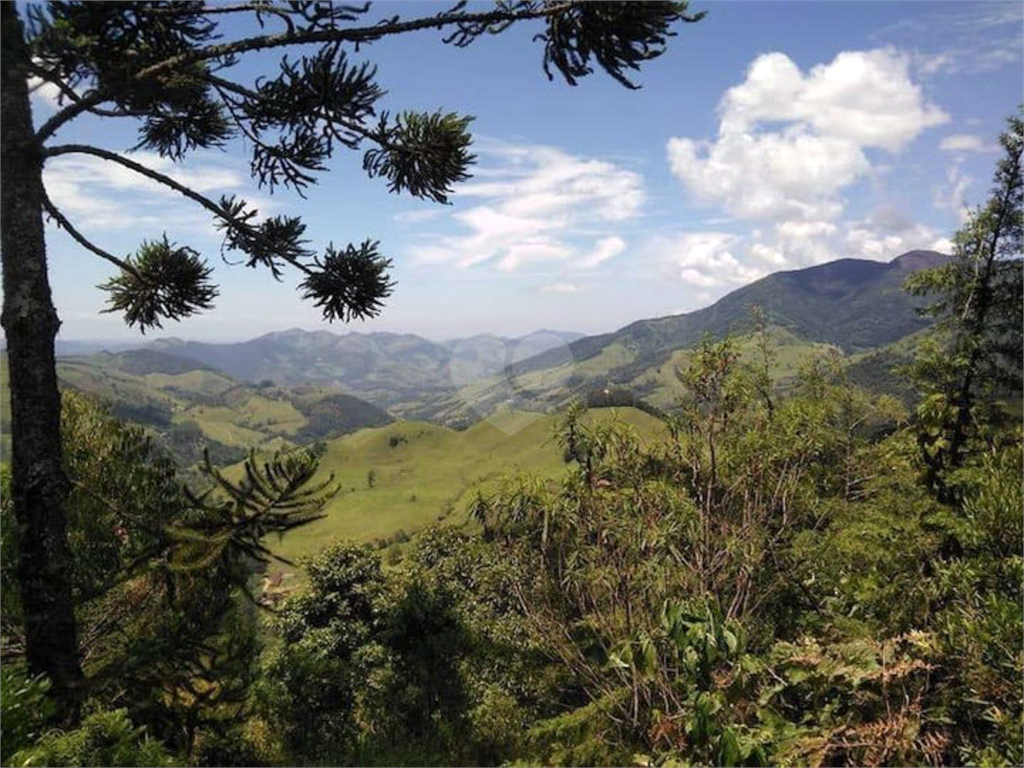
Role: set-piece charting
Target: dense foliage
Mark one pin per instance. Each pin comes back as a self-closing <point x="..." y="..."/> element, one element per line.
<point x="774" y="584"/>
<point x="159" y="580"/>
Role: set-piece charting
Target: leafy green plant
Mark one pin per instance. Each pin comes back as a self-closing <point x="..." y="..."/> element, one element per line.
<point x="25" y="711"/>
<point x="104" y="738"/>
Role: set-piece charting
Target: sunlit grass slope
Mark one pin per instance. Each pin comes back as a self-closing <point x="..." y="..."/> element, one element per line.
<point x="423" y="473"/>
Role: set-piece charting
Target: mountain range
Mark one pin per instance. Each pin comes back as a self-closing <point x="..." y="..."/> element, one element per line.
<point x="386" y="369"/>
<point x="849" y="306"/>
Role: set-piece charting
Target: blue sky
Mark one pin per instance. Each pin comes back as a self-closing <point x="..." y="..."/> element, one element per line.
<point x="769" y="136"/>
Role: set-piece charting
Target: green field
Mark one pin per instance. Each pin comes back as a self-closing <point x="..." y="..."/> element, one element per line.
<point x="430" y="473"/>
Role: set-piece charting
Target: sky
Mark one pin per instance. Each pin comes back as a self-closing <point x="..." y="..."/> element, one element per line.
<point x="769" y="136"/>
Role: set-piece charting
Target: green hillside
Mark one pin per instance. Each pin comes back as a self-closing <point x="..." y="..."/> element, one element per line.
<point x="189" y="409"/>
<point x="852" y="304"/>
<point x="423" y="473"/>
<point x="618" y="365"/>
<point x="846" y="307"/>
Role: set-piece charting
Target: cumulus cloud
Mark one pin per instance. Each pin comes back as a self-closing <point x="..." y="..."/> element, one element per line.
<point x="536" y="204"/>
<point x="866" y="240"/>
<point x="863" y="97"/>
<point x="712" y="263"/>
<point x="789" y="142"/>
<point x="705" y="259"/>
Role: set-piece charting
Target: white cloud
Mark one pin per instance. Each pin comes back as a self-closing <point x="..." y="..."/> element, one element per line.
<point x="964" y="38"/>
<point x="804" y="243"/>
<point x="605" y="249"/>
<point x="885" y="235"/>
<point x="952" y="196"/>
<point x="789" y="144"/>
<point x="45" y="94"/>
<point x="963" y="142"/>
<point x="829" y="116"/>
<point x="532" y="250"/>
<point x="772" y="176"/>
<point x="926" y="64"/>
<point x="768" y="255"/>
<point x="864" y="97"/>
<point x="716" y="262"/>
<point x="412" y="217"/>
<point x="561" y="288"/>
<point x="99" y="194"/>
<point x="704" y="259"/>
<point x="536" y="204"/>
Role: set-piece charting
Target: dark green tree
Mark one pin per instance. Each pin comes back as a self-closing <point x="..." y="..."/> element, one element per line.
<point x="978" y="302"/>
<point x="167" y="66"/>
<point x="158" y="572"/>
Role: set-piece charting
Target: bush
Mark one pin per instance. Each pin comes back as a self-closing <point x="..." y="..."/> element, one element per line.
<point x="104" y="738"/>
<point x="398" y="537"/>
<point x="24" y="710"/>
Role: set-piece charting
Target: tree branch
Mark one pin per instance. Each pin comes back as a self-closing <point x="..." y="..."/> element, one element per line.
<point x="227" y="85"/>
<point x="63" y="222"/>
<point x="355" y="34"/>
<point x="210" y="205"/>
<point x="48" y="76"/>
<point x="86" y="149"/>
<point x="262" y="42"/>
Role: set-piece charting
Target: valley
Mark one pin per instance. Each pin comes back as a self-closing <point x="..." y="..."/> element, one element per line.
<point x="395" y="405"/>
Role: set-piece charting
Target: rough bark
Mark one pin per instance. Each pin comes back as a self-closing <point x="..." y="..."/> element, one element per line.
<point x="38" y="484"/>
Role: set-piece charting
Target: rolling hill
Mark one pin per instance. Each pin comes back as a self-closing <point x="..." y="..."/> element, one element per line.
<point x="853" y="304"/>
<point x="189" y="406"/>
<point x="848" y="306"/>
<point x="425" y="473"/>
<point x="316" y="384"/>
<point x="386" y="369"/>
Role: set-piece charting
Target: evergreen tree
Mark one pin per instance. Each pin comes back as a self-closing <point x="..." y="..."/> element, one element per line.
<point x="167" y="66"/>
<point x="158" y="573"/>
<point x="978" y="303"/>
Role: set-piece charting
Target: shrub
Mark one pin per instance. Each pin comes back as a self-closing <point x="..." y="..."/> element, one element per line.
<point x="104" y="738"/>
<point x="24" y="710"/>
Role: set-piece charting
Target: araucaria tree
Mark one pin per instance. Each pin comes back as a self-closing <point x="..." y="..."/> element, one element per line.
<point x="168" y="66"/>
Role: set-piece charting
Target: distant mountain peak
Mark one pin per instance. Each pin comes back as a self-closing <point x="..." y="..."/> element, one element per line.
<point x="912" y="261"/>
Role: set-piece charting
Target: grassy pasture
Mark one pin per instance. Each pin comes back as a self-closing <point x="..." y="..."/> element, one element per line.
<point x="424" y="473"/>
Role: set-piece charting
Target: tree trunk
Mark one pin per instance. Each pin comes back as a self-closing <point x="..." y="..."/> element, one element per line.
<point x="39" y="487"/>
